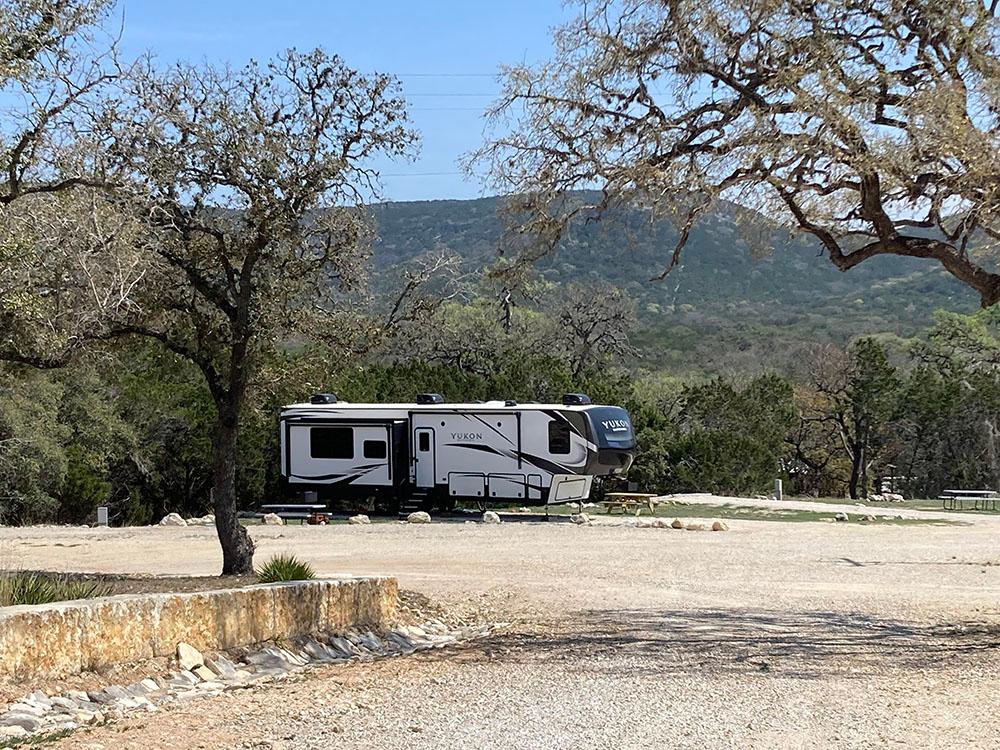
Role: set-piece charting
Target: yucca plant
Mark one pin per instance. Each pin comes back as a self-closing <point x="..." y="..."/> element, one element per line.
<point x="35" y="588"/>
<point x="285" y="568"/>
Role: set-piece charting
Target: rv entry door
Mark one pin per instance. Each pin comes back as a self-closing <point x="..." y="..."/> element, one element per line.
<point x="424" y="456"/>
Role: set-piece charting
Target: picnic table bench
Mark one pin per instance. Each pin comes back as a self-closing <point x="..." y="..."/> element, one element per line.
<point x="301" y="511"/>
<point x="980" y="499"/>
<point x="630" y="500"/>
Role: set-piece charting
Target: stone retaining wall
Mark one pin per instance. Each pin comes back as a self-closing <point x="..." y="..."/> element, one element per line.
<point x="56" y="640"/>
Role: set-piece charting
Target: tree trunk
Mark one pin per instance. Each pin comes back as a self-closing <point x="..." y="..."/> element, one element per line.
<point x="858" y="458"/>
<point x="991" y="451"/>
<point x="237" y="546"/>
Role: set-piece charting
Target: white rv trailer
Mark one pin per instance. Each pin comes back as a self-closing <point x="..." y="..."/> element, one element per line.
<point x="433" y="453"/>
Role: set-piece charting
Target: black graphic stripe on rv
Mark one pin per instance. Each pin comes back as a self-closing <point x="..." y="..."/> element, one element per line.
<point x="479" y="447"/>
<point x="341" y="478"/>
<point x="543" y="463"/>
<point x="498" y="432"/>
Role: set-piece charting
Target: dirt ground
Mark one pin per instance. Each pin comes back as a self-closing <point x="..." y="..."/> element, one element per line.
<point x="805" y="635"/>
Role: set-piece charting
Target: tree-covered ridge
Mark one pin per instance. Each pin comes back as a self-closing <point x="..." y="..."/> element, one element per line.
<point x="724" y="295"/>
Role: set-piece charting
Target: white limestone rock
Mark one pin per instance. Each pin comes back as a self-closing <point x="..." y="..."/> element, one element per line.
<point x="64" y="704"/>
<point x="188" y="657"/>
<point x="205" y="673"/>
<point x="27" y="708"/>
<point x="26" y="721"/>
<point x="184" y="678"/>
<point x="222" y="667"/>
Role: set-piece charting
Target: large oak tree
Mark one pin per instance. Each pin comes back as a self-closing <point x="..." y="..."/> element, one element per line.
<point x="870" y="124"/>
<point x="250" y="182"/>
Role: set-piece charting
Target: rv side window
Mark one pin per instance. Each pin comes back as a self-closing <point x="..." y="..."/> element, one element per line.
<point x="558" y="437"/>
<point x="331" y="442"/>
<point x="424" y="441"/>
<point x="374" y="449"/>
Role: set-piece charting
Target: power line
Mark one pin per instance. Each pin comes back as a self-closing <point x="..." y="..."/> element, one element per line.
<point x="447" y="75"/>
<point x="420" y="174"/>
<point x="429" y="93"/>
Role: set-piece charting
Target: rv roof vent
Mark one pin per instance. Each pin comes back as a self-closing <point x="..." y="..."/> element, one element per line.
<point x="430" y="398"/>
<point x="576" y="399"/>
<point x="508" y="402"/>
<point x="323" y="398"/>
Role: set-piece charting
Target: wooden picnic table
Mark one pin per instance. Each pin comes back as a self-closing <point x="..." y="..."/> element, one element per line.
<point x="291" y="511"/>
<point x="630" y="500"/>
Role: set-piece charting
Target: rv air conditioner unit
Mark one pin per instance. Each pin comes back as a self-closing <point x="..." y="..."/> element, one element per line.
<point x="323" y="398"/>
<point x="576" y="399"/>
<point x="430" y="398"/>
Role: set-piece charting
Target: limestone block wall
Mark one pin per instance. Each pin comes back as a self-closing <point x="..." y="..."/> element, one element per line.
<point x="56" y="640"/>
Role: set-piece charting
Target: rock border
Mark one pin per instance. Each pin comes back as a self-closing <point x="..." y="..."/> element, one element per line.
<point x="38" y="714"/>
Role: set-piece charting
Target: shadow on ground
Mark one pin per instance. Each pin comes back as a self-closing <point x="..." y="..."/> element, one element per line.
<point x="810" y="644"/>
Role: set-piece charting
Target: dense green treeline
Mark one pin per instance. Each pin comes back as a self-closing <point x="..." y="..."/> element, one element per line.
<point x="133" y="430"/>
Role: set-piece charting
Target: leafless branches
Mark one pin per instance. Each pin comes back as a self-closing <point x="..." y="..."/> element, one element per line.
<point x="872" y="126"/>
<point x="594" y="325"/>
<point x="250" y="182"/>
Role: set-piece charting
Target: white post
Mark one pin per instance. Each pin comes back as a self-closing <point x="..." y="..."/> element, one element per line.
<point x="102" y="515"/>
<point x="778" y="495"/>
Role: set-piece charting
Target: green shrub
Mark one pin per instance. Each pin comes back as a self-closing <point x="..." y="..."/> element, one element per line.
<point x="285" y="568"/>
<point x="35" y="588"/>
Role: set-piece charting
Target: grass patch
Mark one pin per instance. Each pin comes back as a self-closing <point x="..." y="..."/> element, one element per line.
<point x="751" y="513"/>
<point x="37" y="740"/>
<point x="285" y="568"/>
<point x="36" y="588"/>
<point x="914" y="504"/>
<point x="790" y="515"/>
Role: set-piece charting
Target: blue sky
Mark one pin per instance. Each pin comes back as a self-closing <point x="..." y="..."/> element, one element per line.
<point x="445" y="52"/>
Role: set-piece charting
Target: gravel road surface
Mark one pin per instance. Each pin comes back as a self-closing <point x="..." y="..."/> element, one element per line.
<point x="770" y="635"/>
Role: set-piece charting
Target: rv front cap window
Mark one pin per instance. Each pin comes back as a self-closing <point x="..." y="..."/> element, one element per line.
<point x="558" y="437"/>
<point x="374" y="449"/>
<point x="331" y="442"/>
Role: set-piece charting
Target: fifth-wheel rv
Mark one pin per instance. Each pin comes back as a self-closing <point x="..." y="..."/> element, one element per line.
<point x="432" y="453"/>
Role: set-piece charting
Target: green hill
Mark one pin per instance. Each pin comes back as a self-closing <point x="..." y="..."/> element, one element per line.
<point x="723" y="307"/>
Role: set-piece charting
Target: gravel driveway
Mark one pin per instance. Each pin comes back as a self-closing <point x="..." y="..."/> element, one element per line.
<point x="770" y="635"/>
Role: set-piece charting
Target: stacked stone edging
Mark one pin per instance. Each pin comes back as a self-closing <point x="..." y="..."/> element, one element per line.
<point x="57" y="640"/>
